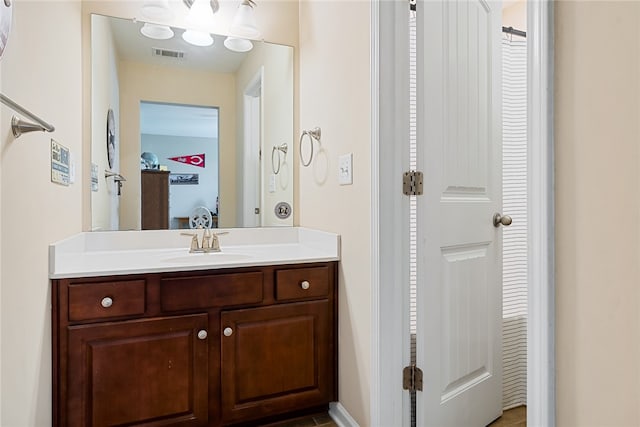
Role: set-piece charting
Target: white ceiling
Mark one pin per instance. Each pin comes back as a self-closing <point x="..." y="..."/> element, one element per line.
<point x="132" y="45"/>
<point x="178" y="120"/>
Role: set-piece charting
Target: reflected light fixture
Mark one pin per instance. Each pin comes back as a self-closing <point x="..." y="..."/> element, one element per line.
<point x="238" y="45"/>
<point x="197" y="38"/>
<point x="157" y="32"/>
<point x="201" y="12"/>
<point x="244" y="23"/>
<point x="156" y="10"/>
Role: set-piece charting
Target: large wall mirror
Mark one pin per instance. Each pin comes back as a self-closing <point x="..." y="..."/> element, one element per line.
<point x="211" y="126"/>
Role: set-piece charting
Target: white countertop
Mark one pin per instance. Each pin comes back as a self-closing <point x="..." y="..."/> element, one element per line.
<point x="92" y="254"/>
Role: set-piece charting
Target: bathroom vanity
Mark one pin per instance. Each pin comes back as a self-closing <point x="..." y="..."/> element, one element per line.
<point x="172" y="338"/>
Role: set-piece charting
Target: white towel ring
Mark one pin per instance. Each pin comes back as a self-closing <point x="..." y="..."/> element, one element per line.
<point x="313" y="135"/>
<point x="277" y="149"/>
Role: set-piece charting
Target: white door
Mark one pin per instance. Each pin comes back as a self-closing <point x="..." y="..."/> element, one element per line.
<point x="251" y="166"/>
<point x="459" y="249"/>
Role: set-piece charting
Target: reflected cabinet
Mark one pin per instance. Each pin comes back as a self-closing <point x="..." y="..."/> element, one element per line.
<point x="154" y="189"/>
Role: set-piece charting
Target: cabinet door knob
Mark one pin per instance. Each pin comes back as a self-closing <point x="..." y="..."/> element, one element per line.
<point x="202" y="334"/>
<point x="106" y="302"/>
<point x="227" y="332"/>
<point x="305" y="284"/>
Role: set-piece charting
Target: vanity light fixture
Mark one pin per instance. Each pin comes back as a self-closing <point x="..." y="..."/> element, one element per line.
<point x="200" y="16"/>
<point x="197" y="38"/>
<point x="244" y="23"/>
<point x="157" y="32"/>
<point x="201" y="12"/>
<point x="237" y="44"/>
<point x="156" y="10"/>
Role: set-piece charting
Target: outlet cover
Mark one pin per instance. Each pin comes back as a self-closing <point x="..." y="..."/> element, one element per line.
<point x="345" y="169"/>
<point x="272" y="183"/>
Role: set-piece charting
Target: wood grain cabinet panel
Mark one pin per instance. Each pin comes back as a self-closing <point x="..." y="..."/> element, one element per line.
<point x="154" y="195"/>
<point x="90" y="301"/>
<point x="275" y="358"/>
<point x="301" y="283"/>
<point x="206" y="291"/>
<point x="148" y="371"/>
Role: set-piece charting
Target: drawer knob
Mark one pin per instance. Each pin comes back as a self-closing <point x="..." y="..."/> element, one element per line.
<point x="106" y="302"/>
<point x="227" y="332"/>
<point x="305" y="284"/>
<point x="202" y="334"/>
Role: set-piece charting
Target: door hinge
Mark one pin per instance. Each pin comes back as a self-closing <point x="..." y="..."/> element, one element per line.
<point x="256" y="211"/>
<point x="412" y="378"/>
<point x="412" y="183"/>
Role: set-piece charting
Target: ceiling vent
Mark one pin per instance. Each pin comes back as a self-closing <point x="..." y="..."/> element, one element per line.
<point x="166" y="53"/>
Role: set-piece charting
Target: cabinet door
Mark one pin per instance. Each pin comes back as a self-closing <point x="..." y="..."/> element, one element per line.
<point x="276" y="359"/>
<point x="149" y="371"/>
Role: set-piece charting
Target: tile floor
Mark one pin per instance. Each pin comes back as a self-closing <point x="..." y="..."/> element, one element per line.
<point x="317" y="420"/>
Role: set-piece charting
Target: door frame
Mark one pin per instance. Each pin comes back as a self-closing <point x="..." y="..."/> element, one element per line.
<point x="252" y="194"/>
<point x="389" y="249"/>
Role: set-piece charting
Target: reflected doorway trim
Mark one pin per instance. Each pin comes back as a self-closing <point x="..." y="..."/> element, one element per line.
<point x="252" y="192"/>
<point x="389" y="301"/>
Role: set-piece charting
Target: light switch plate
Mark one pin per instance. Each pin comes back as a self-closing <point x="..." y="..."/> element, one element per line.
<point x="345" y="169"/>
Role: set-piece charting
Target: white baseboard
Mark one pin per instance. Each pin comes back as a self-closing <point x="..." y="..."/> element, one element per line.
<point x="340" y="415"/>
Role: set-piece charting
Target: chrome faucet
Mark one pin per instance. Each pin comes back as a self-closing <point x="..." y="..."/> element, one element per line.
<point x="210" y="241"/>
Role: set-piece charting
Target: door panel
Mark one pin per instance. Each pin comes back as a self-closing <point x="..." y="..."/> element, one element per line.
<point x="276" y="359"/>
<point x="459" y="249"/>
<point x="149" y="371"/>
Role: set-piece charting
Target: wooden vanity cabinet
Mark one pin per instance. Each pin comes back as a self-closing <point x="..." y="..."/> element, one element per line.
<point x="205" y="348"/>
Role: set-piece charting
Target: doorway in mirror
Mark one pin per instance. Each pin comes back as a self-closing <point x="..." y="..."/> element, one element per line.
<point x="184" y="139"/>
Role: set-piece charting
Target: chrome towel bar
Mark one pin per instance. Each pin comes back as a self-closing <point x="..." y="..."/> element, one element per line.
<point x="18" y="126"/>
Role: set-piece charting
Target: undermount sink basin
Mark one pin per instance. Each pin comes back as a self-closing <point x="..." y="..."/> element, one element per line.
<point x="206" y="258"/>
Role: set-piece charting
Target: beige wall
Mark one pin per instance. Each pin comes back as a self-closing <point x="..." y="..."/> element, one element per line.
<point x="335" y="95"/>
<point x="597" y="140"/>
<point x="514" y="14"/>
<point x="142" y="82"/>
<point x="104" y="96"/>
<point x="41" y="70"/>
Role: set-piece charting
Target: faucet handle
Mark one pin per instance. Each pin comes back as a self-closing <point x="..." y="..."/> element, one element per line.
<point x="215" y="242"/>
<point x="194" y="241"/>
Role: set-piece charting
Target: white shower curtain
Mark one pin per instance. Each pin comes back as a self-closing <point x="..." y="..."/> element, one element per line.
<point x="514" y="150"/>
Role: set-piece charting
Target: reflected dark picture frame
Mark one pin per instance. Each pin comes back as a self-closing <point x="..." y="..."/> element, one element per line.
<point x="184" y="179"/>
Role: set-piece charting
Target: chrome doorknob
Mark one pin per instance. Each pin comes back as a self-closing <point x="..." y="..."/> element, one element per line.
<point x="499" y="220"/>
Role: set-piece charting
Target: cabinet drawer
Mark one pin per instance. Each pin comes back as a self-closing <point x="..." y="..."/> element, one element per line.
<point x="89" y="301"/>
<point x="187" y="293"/>
<point x="301" y="283"/>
